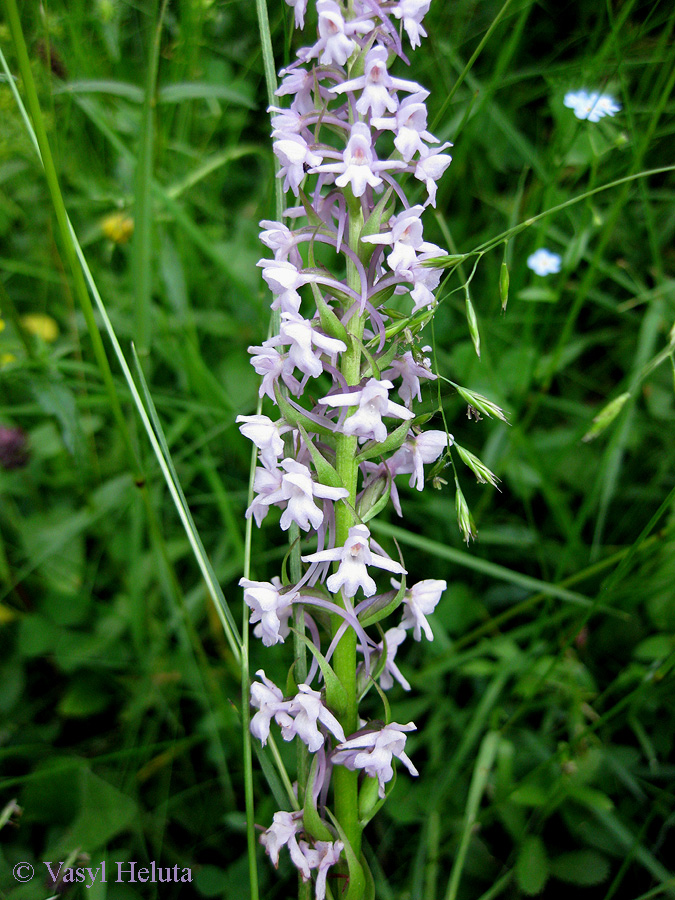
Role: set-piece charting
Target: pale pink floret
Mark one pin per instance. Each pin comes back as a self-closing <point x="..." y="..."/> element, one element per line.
<point x="284" y="278"/>
<point x="321" y="857"/>
<point x="373" y="751"/>
<point x="335" y="44"/>
<point x="302" y="716"/>
<point x="300" y="83"/>
<point x="373" y="403"/>
<point x="409" y="124"/>
<point x="286" y="122"/>
<point x="410" y="371"/>
<point x="420" y="601"/>
<point x="415" y="452"/>
<point x="432" y="164"/>
<point x="283" y="833"/>
<point x="359" y="166"/>
<point x="269" y="701"/>
<point x="294" y="154"/>
<point x="279" y="238"/>
<point x="265" y="483"/>
<point x="425" y="279"/>
<point x="270" y="609"/>
<point x="354" y="558"/>
<point x="394" y="637"/>
<point x="271" y="365"/>
<point x="266" y="435"/>
<point x="376" y="85"/>
<point x="412" y="12"/>
<point x="306" y="343"/>
<point x="406" y="239"/>
<point x="297" y="490"/>
<point x="300" y="7"/>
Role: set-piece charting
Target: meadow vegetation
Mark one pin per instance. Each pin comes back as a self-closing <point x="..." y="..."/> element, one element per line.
<point x="545" y="705"/>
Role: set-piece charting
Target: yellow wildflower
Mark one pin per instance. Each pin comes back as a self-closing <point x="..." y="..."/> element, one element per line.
<point x="41" y="325"/>
<point x="118" y="227"/>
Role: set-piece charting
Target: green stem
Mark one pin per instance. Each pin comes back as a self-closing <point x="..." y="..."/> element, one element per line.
<point x="142" y="255"/>
<point x="300" y="653"/>
<point x="344" y="660"/>
<point x="249" y="801"/>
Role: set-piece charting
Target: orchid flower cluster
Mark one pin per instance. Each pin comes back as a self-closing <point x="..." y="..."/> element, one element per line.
<point x="329" y="461"/>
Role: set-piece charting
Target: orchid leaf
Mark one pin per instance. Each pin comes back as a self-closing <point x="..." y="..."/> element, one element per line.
<point x="370" y="881"/>
<point x="383" y="607"/>
<point x="291" y="682"/>
<point x="392" y="442"/>
<point x="295" y="416"/>
<point x="357" y="878"/>
<point x="385" y="703"/>
<point x="313" y="824"/>
<point x="370" y="802"/>
<point x="326" y="472"/>
<point x="329" y="320"/>
<point x="312" y="216"/>
<point x="336" y="695"/>
<point x="386" y="358"/>
<point x="366" y="513"/>
<point x="369" y="357"/>
<point x="380" y="297"/>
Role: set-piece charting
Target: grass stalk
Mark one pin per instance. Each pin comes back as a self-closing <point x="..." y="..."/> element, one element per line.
<point x="143" y="255"/>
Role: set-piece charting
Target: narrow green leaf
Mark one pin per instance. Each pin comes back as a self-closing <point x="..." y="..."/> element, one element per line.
<point x="370" y="881"/>
<point x="295" y="418"/>
<point x="367" y="512"/>
<point x="376" y="613"/>
<point x="329" y="320"/>
<point x="336" y="695"/>
<point x="200" y="90"/>
<point x="392" y="442"/>
<point x="313" y="823"/>
<point x="357" y="878"/>
<point x="479" y="780"/>
<point x="326" y="472"/>
<point x="102" y="86"/>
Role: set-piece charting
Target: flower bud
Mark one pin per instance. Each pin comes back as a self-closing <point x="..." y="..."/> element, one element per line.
<point x="478" y="401"/>
<point x="504" y="285"/>
<point x="479" y="469"/>
<point x="606" y="416"/>
<point x="472" y="322"/>
<point x="464" y="517"/>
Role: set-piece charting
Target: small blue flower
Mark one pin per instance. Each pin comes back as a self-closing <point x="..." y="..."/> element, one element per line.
<point x="543" y="262"/>
<point x="593" y="106"/>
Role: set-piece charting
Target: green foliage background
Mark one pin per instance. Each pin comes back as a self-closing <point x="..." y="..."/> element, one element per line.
<point x="545" y="704"/>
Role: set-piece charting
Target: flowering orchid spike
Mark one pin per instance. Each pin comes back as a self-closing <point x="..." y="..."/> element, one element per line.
<point x="330" y="370"/>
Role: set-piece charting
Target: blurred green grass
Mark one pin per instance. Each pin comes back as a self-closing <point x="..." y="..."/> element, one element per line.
<point x="120" y="733"/>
